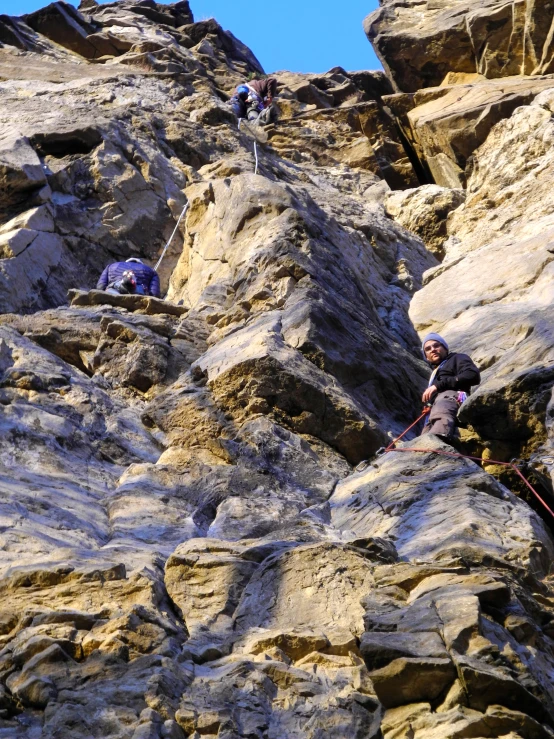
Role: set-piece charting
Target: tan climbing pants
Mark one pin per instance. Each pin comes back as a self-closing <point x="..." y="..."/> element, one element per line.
<point x="443" y="416"/>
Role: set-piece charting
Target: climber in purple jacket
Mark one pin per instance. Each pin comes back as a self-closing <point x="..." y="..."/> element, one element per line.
<point x="148" y="282"/>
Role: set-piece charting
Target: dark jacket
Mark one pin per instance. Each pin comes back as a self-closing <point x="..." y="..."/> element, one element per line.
<point x="148" y="281"/>
<point x="457" y="373"/>
<point x="264" y="88"/>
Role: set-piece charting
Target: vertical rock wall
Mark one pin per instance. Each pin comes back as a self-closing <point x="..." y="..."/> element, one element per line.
<point x="186" y="548"/>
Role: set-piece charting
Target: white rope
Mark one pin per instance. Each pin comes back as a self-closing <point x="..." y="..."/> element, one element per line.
<point x="166" y="247"/>
<point x="255" y="150"/>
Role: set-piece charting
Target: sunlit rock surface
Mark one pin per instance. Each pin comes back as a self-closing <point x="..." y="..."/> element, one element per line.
<point x="420" y="44"/>
<point x="186" y="547"/>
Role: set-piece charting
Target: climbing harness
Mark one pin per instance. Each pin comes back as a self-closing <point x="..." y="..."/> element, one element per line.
<point x="514" y="464"/>
<point x="166" y="247"/>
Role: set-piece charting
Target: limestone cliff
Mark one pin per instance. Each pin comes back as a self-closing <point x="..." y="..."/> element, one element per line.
<point x="186" y="547"/>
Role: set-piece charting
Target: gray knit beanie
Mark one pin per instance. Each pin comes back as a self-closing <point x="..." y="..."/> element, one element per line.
<point x="433" y="337"/>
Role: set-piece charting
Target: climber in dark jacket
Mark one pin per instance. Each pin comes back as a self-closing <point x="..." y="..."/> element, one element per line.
<point x="148" y="282"/>
<point x="254" y="100"/>
<point x="265" y="88"/>
<point x="451" y="380"/>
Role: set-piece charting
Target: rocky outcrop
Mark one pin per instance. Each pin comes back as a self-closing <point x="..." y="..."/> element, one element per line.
<point x="187" y="548"/>
<point x="424" y="211"/>
<point x="263" y="551"/>
<point x="458" y="70"/>
<point x="105" y="149"/>
<point x="449" y="129"/>
<point x="498" y="261"/>
<point x="419" y="45"/>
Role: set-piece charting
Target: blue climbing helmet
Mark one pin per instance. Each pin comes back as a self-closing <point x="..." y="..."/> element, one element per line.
<point x="242" y="90"/>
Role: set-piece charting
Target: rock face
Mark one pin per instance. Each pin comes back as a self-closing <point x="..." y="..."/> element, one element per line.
<point x="424" y="211"/>
<point x="498" y="266"/>
<point x="186" y="547"/>
<point x="476" y="62"/>
<point x="104" y="147"/>
<point x="420" y="45"/>
<point x="448" y="130"/>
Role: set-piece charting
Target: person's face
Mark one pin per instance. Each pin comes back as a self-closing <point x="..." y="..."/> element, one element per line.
<point x="435" y="352"/>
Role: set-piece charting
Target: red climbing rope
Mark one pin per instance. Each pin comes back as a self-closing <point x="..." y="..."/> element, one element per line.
<point x="391" y="445"/>
<point x="391" y="448"/>
<point x="513" y="465"/>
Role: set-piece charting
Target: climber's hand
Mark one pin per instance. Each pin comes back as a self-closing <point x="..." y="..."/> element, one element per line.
<point x="429" y="394"/>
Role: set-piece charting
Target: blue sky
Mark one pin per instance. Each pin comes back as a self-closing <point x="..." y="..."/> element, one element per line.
<point x="288" y="34"/>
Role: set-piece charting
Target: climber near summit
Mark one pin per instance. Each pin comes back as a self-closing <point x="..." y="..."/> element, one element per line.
<point x="451" y="380"/>
<point x="254" y="101"/>
<point x="116" y="277"/>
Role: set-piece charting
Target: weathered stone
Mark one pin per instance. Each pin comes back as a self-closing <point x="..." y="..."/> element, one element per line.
<point x="425" y="211"/>
<point x="419" y="53"/>
<point x="21" y="173"/>
<point x="465" y="504"/>
<point x="410" y="680"/>
<point x="380" y="649"/>
<point x="34" y="692"/>
<point x="186" y="549"/>
<point x="450" y="128"/>
<point x="340" y="579"/>
<point x="63" y="24"/>
<point x="362" y="135"/>
<point x="295" y="646"/>
<point x="487" y="685"/>
<point x="205" y="584"/>
<point x="419" y="47"/>
<point x="509" y="239"/>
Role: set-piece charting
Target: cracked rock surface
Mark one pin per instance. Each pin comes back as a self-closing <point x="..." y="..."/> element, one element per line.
<point x="187" y="548"/>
